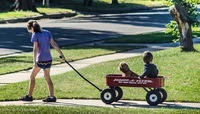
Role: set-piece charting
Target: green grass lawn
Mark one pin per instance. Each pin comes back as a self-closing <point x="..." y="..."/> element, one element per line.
<point x="72" y="53"/>
<point x="98" y="4"/>
<point x="24" y="61"/>
<point x="105" y="6"/>
<point x="25" y="14"/>
<point x="92" y="110"/>
<point x="182" y="85"/>
<point x="153" y="37"/>
<point x="180" y="68"/>
<point x="17" y="14"/>
<point x="53" y="10"/>
<point x="136" y="2"/>
<point x="127" y="3"/>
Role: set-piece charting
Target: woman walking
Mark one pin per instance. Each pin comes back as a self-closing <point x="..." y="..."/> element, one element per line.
<point x="42" y="59"/>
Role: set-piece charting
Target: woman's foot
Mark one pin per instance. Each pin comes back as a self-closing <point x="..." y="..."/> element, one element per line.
<point x="26" y="98"/>
<point x="49" y="99"/>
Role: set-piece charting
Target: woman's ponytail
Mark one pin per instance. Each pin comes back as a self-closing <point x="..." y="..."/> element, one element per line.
<point x="35" y="25"/>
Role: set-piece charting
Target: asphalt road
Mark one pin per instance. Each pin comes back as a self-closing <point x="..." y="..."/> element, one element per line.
<point x="70" y="31"/>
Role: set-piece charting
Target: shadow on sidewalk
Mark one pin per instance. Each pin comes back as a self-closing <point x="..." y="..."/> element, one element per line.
<point x="163" y="105"/>
<point x="119" y="104"/>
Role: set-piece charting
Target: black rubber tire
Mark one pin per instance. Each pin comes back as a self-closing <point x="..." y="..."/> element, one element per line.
<point x="108" y="96"/>
<point x="118" y="93"/>
<point x="163" y="95"/>
<point x="153" y="97"/>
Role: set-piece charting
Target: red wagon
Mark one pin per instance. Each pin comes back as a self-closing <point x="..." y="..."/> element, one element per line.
<point x="153" y="86"/>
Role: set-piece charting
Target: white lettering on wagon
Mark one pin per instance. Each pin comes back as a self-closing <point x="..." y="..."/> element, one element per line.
<point x="133" y="81"/>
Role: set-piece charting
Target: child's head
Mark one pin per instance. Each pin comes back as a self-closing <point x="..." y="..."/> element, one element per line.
<point x="33" y="26"/>
<point x="123" y="67"/>
<point x="147" y="57"/>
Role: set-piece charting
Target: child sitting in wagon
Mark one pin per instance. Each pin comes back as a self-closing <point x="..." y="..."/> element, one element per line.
<point x="150" y="70"/>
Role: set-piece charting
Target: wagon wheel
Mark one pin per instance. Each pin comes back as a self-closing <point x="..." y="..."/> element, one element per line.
<point x="163" y="95"/>
<point x="153" y="97"/>
<point x="119" y="93"/>
<point x="108" y="96"/>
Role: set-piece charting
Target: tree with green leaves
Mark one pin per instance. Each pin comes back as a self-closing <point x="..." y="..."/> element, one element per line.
<point x="185" y="15"/>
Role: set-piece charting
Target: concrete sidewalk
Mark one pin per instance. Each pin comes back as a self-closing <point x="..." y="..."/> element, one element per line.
<point x="99" y="103"/>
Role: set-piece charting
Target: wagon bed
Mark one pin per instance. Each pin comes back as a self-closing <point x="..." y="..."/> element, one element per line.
<point x="118" y="80"/>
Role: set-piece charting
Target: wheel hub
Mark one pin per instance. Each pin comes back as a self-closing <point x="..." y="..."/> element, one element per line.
<point x="153" y="98"/>
<point x="107" y="96"/>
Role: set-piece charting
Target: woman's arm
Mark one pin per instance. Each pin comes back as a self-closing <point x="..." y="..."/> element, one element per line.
<point x="35" y="50"/>
<point x="55" y="46"/>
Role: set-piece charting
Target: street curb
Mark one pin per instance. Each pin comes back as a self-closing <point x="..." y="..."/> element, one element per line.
<point x="49" y="16"/>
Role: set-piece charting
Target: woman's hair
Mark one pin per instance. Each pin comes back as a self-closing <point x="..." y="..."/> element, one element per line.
<point x="147" y="57"/>
<point x="35" y="25"/>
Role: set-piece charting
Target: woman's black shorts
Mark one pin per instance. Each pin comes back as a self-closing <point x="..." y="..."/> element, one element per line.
<point x="44" y="64"/>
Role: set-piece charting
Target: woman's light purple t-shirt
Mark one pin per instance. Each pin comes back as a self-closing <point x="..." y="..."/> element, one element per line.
<point x="43" y="40"/>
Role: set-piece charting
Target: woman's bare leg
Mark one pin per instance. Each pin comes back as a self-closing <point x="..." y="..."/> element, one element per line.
<point x="49" y="81"/>
<point x="32" y="80"/>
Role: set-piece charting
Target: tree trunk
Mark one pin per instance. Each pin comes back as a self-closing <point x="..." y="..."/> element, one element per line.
<point x="115" y="2"/>
<point x="88" y="2"/>
<point x="24" y="5"/>
<point x="45" y="3"/>
<point x="181" y="16"/>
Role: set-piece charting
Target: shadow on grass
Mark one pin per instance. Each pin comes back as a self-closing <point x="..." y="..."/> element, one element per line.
<point x="16" y="59"/>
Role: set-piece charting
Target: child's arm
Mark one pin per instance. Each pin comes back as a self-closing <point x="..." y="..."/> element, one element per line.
<point x="146" y="72"/>
<point x="55" y="46"/>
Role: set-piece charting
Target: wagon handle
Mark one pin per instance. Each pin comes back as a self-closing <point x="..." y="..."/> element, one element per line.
<point x="82" y="75"/>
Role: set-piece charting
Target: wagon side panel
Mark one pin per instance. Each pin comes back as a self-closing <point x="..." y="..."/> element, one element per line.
<point x="117" y="80"/>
